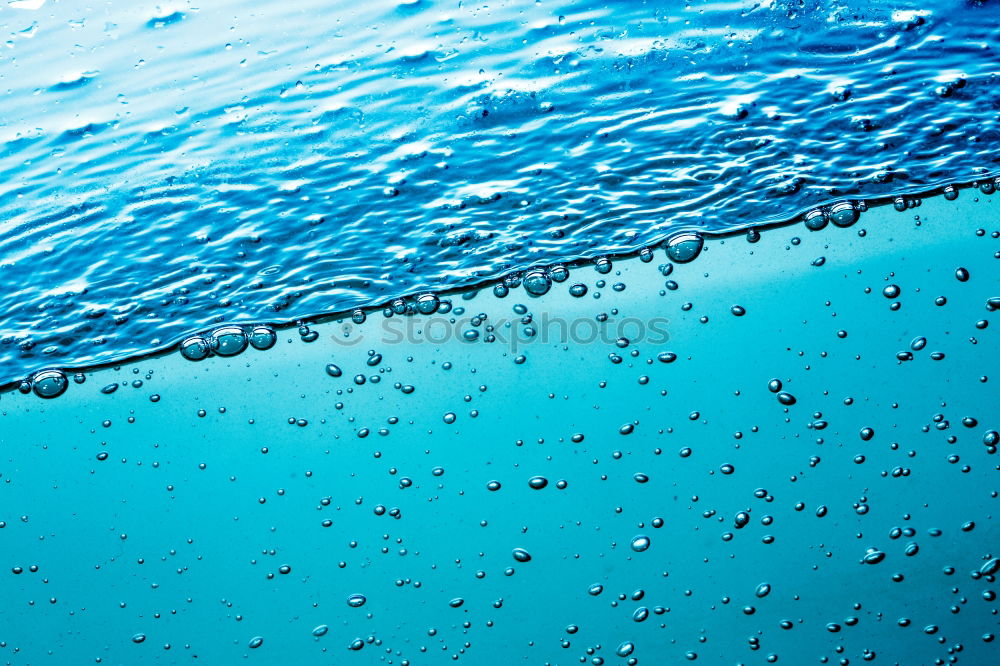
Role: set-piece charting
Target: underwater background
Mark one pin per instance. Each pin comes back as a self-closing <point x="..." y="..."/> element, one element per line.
<point x="528" y="332"/>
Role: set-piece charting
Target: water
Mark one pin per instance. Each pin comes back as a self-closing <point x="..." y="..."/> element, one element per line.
<point x="546" y="498"/>
<point x="169" y="168"/>
<point x="619" y="414"/>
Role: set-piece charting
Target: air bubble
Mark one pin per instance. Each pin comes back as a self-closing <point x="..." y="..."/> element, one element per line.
<point x="991" y="567"/>
<point x="195" y="348"/>
<point x="49" y="383"/>
<point x="538" y="482"/>
<point x="873" y="556"/>
<point x="228" y="341"/>
<point x="891" y="291"/>
<point x="521" y="555"/>
<point x="537" y="282"/>
<point x="640" y="543"/>
<point x="427" y="304"/>
<point x="843" y="214"/>
<point x="815" y="220"/>
<point x="262" y="338"/>
<point x="684" y="247"/>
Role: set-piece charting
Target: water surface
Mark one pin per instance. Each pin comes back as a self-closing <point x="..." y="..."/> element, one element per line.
<point x="164" y="168"/>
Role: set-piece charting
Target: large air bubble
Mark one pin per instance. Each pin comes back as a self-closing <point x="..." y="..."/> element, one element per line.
<point x="195" y="348"/>
<point x="843" y="214"/>
<point x="49" y="383"/>
<point x="537" y="282"/>
<point x="262" y="338"/>
<point x="684" y="247"/>
<point x="228" y="341"/>
<point x="815" y="220"/>
<point x="427" y="304"/>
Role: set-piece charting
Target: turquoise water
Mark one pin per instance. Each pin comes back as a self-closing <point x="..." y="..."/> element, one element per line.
<point x="544" y="333"/>
<point x="161" y="517"/>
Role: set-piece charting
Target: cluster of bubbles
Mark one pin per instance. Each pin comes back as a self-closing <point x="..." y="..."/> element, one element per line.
<point x="685" y="246"/>
<point x="536" y="281"/>
<point x="227" y="341"/>
<point x="842" y="214"/>
<point x="846" y="213"/>
<point x="425" y="304"/>
<point x="681" y="248"/>
<point x="950" y="192"/>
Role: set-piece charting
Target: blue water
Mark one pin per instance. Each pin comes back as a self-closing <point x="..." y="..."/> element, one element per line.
<point x="167" y="168"/>
<point x="522" y="333"/>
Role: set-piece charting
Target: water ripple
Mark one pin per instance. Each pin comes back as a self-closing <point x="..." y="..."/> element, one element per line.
<point x="163" y="172"/>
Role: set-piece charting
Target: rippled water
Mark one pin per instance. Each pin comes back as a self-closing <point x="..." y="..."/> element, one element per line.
<point x="167" y="168"/>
